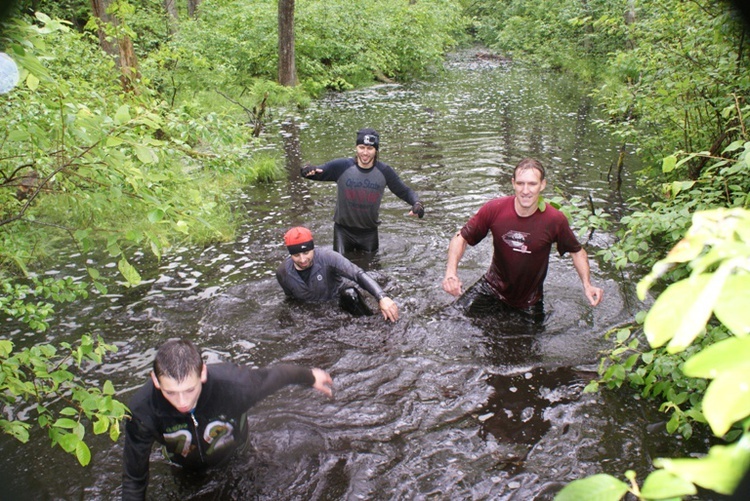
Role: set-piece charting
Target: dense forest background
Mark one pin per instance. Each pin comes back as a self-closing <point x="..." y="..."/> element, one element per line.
<point x="132" y="121"/>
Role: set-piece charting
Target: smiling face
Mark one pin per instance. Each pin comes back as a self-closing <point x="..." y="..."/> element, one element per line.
<point x="183" y="395"/>
<point x="528" y="185"/>
<point x="303" y="260"/>
<point x="366" y="155"/>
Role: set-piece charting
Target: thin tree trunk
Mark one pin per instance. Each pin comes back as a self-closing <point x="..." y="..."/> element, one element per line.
<point x="171" y="7"/>
<point x="287" y="67"/>
<point x="120" y="48"/>
<point x="192" y="6"/>
<point x="99" y="7"/>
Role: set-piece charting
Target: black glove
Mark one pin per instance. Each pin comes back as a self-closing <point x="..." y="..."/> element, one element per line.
<point x="418" y="209"/>
<point x="304" y="171"/>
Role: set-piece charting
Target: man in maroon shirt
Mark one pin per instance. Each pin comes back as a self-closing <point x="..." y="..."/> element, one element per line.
<point x="522" y="236"/>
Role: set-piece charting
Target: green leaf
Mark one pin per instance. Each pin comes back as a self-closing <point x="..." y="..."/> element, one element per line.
<point x="129" y="272"/>
<point x="69" y="411"/>
<point x="101" y="426"/>
<point x="156" y="215"/>
<point x="661" y="484"/>
<point x="145" y="154"/>
<point x="668" y="163"/>
<point x="123" y="114"/>
<point x="721" y="470"/>
<point x="727" y="399"/>
<point x="114" y="433"/>
<point x="601" y="487"/>
<point x="113" y="141"/>
<point x="108" y="388"/>
<point x="32" y="82"/>
<point x="728" y="354"/>
<point x="65" y="423"/>
<point x="68" y="441"/>
<point x="83" y="453"/>
<point x="681" y="312"/>
<point x="732" y="307"/>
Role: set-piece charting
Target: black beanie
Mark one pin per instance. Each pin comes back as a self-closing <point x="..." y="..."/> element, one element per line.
<point x="369" y="137"/>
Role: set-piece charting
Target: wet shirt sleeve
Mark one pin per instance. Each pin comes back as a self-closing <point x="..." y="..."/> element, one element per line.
<point x="260" y="383"/>
<point x="396" y="185"/>
<point x="478" y="225"/>
<point x="139" y="439"/>
<point x="331" y="170"/>
<point x="349" y="270"/>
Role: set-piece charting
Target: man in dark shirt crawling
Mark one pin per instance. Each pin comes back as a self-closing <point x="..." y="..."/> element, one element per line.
<point x="319" y="275"/>
<point x="198" y="412"/>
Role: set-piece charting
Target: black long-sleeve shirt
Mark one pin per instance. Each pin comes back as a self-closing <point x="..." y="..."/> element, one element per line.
<point x="207" y="435"/>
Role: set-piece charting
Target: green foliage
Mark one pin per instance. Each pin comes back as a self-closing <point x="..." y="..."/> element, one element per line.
<point x="84" y="165"/>
<point x="584" y="33"/>
<point x="48" y="376"/>
<point x="338" y="45"/>
<point x="716" y="251"/>
<point x="724" y="181"/>
<point x="123" y="170"/>
<point x="582" y="215"/>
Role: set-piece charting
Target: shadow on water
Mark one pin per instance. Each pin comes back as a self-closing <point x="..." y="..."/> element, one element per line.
<point x="439" y="405"/>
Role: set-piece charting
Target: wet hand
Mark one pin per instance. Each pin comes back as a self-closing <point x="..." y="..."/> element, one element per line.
<point x="594" y="295"/>
<point x="389" y="309"/>
<point x="417" y="210"/>
<point x="452" y="285"/>
<point x="323" y="382"/>
<point x="309" y="170"/>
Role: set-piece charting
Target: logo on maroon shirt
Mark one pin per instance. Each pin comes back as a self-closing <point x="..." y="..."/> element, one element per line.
<point x="516" y="240"/>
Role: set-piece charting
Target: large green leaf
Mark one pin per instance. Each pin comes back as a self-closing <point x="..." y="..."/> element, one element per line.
<point x="733" y="307"/>
<point x="727" y="399"/>
<point x="661" y="484"/>
<point x="681" y="312"/>
<point x="720" y="471"/>
<point x="728" y="354"/>
<point x="601" y="487"/>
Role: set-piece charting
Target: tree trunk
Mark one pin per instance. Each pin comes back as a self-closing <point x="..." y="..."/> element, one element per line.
<point x="287" y="67"/>
<point x="192" y="6"/>
<point x="120" y="48"/>
<point x="171" y="7"/>
<point x="99" y="7"/>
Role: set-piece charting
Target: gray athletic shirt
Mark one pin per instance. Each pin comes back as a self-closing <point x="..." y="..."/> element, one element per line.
<point x="360" y="191"/>
<point x="326" y="279"/>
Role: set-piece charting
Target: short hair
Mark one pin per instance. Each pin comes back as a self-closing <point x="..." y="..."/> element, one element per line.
<point x="178" y="359"/>
<point x="529" y="163"/>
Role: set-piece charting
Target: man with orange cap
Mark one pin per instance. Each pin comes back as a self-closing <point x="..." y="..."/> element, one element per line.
<point x="322" y="275"/>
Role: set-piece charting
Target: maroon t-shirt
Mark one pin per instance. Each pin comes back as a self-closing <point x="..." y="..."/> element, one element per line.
<point x="521" y="247"/>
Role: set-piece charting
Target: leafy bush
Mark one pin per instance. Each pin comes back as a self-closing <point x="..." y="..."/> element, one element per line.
<point x="716" y="250"/>
<point x="49" y="376"/>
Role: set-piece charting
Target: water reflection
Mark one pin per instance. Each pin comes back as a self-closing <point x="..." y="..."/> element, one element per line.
<point x="440" y="405"/>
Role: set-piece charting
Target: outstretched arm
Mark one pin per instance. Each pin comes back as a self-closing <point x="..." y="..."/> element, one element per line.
<point x="456" y="249"/>
<point x="387" y="306"/>
<point x="581" y="263"/>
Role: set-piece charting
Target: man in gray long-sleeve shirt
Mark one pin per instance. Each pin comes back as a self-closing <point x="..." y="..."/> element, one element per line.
<point x="361" y="183"/>
<point x="318" y="275"/>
